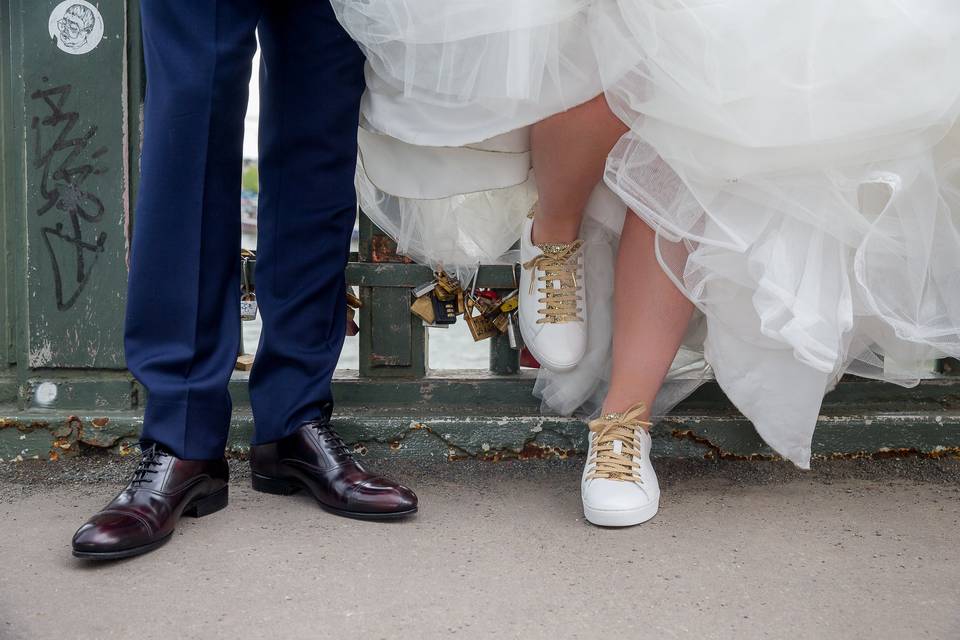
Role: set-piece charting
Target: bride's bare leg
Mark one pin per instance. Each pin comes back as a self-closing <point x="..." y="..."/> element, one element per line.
<point x="619" y="486"/>
<point x="650" y="319"/>
<point x="568" y="152"/>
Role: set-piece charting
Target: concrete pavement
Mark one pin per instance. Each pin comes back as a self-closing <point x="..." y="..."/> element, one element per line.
<point x="854" y="549"/>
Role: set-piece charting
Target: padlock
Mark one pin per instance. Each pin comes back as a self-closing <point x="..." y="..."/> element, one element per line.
<point x="447" y="287"/>
<point x="422" y="307"/>
<point x="248" y="307"/>
<point x="510" y="302"/>
<point x="353" y="303"/>
<point x="439" y="302"/>
<point x="513" y="331"/>
<point x="505" y="307"/>
<point x="424" y="289"/>
<point x="481" y="306"/>
<point x="480" y="326"/>
<point x="444" y="311"/>
<point x="352" y="300"/>
<point x="501" y="321"/>
<point x="248" y="298"/>
<point x="487" y="302"/>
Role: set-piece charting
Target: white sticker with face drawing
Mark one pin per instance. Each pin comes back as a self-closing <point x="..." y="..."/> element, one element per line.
<point x="77" y="26"/>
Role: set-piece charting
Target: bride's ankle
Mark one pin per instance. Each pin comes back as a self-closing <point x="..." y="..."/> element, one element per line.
<point x="639" y="409"/>
<point x="555" y="229"/>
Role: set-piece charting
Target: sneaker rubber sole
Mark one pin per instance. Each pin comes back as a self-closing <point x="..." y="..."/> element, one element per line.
<point x="621" y="517"/>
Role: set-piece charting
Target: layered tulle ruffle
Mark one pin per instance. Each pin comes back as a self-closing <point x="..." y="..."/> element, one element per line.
<point x="796" y="163"/>
<point x="451" y="73"/>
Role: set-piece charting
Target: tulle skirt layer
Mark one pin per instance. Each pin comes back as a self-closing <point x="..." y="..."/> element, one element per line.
<point x="800" y="163"/>
<point x="448" y="73"/>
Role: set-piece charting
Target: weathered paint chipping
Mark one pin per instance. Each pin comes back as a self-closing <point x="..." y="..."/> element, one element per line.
<point x="498" y="438"/>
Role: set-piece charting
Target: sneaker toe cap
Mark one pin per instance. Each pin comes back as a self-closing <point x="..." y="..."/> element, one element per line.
<point x="560" y="347"/>
<point x="616" y="495"/>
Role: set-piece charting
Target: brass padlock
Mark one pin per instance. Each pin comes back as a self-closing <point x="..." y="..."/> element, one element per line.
<point x="501" y="321"/>
<point x="480" y="326"/>
<point x="505" y="308"/>
<point x="352" y="299"/>
<point x="446" y="288"/>
<point x="422" y="307"/>
<point x="353" y="303"/>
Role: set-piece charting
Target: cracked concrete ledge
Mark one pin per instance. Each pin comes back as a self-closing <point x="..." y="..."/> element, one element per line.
<point x="52" y="435"/>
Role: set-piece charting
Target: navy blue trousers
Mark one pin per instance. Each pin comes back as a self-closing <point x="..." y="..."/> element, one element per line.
<point x="182" y="324"/>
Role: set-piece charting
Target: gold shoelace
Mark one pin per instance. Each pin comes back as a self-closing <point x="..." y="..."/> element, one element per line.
<point x="559" y="263"/>
<point x="615" y="445"/>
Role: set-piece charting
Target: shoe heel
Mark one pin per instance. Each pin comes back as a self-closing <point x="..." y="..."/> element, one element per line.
<point x="276" y="486"/>
<point x="210" y="504"/>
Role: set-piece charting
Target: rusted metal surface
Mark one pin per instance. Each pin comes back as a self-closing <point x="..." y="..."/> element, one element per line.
<point x="499" y="438"/>
<point x="714" y="451"/>
<point x="495" y="451"/>
<point x="383" y="249"/>
<point x="55" y="439"/>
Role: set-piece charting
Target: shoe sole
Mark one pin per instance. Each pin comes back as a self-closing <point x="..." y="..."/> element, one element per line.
<point x="197" y="509"/>
<point x="621" y="518"/>
<point x="288" y="487"/>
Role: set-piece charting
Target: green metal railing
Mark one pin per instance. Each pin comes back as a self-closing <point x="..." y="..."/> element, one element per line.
<point x="386" y="279"/>
<point x="69" y="145"/>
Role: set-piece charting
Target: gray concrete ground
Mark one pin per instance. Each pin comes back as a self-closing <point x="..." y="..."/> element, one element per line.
<point x="854" y="549"/>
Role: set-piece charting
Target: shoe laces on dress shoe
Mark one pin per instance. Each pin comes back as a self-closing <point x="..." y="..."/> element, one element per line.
<point x="333" y="440"/>
<point x="151" y="458"/>
<point x="616" y="451"/>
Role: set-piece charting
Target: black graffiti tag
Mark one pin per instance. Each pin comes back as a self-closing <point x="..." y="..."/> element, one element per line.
<point x="66" y="163"/>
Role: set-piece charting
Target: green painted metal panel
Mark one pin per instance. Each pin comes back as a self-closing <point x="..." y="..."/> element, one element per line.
<point x="504" y="359"/>
<point x="413" y="275"/>
<point x="70" y="390"/>
<point x="460" y="392"/>
<point x="393" y="342"/>
<point x="72" y="106"/>
<point x="10" y="190"/>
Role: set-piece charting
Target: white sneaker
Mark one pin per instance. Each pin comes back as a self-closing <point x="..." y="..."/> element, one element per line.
<point x="619" y="487"/>
<point x="551" y="308"/>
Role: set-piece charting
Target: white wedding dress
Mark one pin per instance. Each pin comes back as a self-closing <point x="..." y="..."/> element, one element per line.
<point x="799" y="161"/>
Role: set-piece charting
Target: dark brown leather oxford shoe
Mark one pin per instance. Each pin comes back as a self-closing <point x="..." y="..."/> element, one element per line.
<point x="315" y="458"/>
<point x="143" y="516"/>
